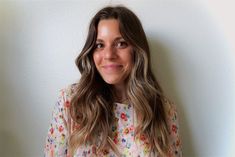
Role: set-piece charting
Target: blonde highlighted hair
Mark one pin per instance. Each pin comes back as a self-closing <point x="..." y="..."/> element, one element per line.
<point x="92" y="105"/>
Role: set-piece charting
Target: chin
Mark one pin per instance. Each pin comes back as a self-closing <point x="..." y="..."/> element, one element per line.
<point x="112" y="81"/>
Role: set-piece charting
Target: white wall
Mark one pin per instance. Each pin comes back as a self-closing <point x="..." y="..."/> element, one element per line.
<point x="191" y="51"/>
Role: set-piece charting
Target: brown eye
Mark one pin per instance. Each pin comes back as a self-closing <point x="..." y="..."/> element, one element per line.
<point x="121" y="44"/>
<point x="99" y="45"/>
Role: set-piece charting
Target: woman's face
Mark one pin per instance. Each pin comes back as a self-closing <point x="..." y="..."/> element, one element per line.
<point x="112" y="55"/>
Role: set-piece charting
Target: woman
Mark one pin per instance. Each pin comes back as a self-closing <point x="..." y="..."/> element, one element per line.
<point x="117" y="108"/>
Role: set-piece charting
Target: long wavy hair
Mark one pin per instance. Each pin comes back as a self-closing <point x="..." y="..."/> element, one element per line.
<point x="92" y="104"/>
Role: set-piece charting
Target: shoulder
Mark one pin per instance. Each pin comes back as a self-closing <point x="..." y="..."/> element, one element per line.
<point x="68" y="92"/>
<point x="171" y="114"/>
<point x="169" y="106"/>
<point x="64" y="98"/>
<point x="63" y="103"/>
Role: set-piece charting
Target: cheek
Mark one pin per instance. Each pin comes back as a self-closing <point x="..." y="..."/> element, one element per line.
<point x="130" y="58"/>
<point x="96" y="58"/>
<point x="131" y="63"/>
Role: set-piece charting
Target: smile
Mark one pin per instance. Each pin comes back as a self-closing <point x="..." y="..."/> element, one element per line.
<point x="112" y="67"/>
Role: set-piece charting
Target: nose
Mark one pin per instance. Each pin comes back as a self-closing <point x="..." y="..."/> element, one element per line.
<point x="109" y="52"/>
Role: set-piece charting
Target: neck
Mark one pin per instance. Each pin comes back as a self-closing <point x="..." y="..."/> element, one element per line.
<point x="120" y="93"/>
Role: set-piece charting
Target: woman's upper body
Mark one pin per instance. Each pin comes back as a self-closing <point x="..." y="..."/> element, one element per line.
<point x="123" y="131"/>
<point x="91" y="118"/>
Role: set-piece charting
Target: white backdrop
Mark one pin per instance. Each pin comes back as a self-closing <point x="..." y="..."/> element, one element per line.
<point x="192" y="58"/>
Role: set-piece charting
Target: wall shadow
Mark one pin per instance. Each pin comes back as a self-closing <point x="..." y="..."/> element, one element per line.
<point x="11" y="146"/>
<point x="163" y="70"/>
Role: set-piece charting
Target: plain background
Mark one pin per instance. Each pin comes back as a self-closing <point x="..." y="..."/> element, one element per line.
<point x="192" y="45"/>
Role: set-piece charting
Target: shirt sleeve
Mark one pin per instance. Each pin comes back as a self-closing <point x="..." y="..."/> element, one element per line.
<point x="175" y="149"/>
<point x="57" y="137"/>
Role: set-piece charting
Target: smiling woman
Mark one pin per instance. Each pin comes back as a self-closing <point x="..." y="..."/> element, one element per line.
<point x="117" y="108"/>
<point x="113" y="55"/>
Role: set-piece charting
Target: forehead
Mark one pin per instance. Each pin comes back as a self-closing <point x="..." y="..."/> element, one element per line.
<point x="108" y="28"/>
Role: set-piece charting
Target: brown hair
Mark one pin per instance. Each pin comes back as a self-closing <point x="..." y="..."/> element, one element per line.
<point x="92" y="105"/>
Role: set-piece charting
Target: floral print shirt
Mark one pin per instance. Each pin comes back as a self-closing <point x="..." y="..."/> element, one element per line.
<point x="123" y="132"/>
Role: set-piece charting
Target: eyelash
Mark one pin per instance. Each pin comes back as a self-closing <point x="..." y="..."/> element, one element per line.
<point x="99" y="44"/>
<point x="124" y="44"/>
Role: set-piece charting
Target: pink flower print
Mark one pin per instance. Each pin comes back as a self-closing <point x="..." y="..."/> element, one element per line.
<point x="174" y="128"/>
<point x="142" y="137"/>
<point x="105" y="152"/>
<point x="52" y="131"/>
<point x="89" y="151"/>
<point x="116" y="138"/>
<point x="67" y="104"/>
<point x="123" y="116"/>
<point x="93" y="149"/>
<point x="76" y="126"/>
<point x="131" y="128"/>
<point x="52" y="150"/>
<point x="61" y="128"/>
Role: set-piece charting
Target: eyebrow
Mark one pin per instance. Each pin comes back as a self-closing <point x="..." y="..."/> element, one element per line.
<point x="116" y="39"/>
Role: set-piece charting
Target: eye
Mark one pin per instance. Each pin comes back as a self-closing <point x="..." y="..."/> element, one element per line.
<point x="99" y="45"/>
<point x="121" y="44"/>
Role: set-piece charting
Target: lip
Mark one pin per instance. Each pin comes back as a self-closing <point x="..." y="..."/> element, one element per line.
<point x="111" y="67"/>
